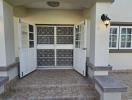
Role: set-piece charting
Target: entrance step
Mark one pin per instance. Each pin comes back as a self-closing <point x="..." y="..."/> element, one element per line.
<point x="54" y="92"/>
<point x="52" y="85"/>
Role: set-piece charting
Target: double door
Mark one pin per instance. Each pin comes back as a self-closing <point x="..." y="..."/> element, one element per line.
<point x="55" y="46"/>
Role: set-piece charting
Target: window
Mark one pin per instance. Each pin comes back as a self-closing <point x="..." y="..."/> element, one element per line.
<point x="31" y="36"/>
<point x="125" y="37"/>
<point x="120" y="37"/>
<point x="113" y="37"/>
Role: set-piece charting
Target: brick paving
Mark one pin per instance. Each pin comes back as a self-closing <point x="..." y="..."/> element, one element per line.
<point x="52" y="85"/>
<point x="126" y="78"/>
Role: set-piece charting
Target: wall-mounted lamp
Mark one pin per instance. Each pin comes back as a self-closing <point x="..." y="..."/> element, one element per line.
<point x="106" y="20"/>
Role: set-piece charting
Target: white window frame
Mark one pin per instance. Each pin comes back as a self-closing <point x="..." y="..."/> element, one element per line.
<point x="118" y="34"/>
<point x="121" y="35"/>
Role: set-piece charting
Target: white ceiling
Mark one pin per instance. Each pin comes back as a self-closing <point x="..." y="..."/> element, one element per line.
<point x="64" y="4"/>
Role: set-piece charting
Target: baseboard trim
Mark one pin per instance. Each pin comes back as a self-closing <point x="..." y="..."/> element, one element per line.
<point x="8" y="67"/>
<point x="99" y="68"/>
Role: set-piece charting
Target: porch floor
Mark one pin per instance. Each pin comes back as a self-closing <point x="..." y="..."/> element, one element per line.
<point x="52" y="85"/>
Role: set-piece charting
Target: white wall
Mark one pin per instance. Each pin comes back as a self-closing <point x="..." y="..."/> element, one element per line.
<point x="92" y="33"/>
<point x="45" y="16"/>
<point x="7" y="49"/>
<point x="99" y="36"/>
<point x="121" y="61"/>
<point x="16" y="36"/>
<point x="120" y="11"/>
<point x="9" y="33"/>
<point x="2" y="37"/>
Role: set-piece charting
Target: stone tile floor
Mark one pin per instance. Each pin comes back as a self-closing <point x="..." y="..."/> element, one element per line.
<point x="52" y="85"/>
<point x="126" y="78"/>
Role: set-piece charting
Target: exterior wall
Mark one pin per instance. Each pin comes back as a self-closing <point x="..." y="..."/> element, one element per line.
<point x="120" y="12"/>
<point x="120" y="61"/>
<point x="43" y="16"/>
<point x="99" y="35"/>
<point x="92" y="30"/>
<point x="13" y="73"/>
<point x="16" y="36"/>
<point x="9" y="33"/>
<point x="2" y="37"/>
<point x="7" y="40"/>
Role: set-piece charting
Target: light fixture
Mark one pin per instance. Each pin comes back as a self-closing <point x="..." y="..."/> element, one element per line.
<point x="53" y="3"/>
<point x="106" y="20"/>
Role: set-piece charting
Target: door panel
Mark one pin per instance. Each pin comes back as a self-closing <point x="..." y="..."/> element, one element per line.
<point x="80" y="48"/>
<point x="60" y="40"/>
<point x="27" y="48"/>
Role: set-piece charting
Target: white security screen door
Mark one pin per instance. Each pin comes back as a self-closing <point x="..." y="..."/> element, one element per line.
<point x="80" y="48"/>
<point x="27" y="48"/>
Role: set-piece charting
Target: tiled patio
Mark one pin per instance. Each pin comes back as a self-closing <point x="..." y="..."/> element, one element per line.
<point x="52" y="85"/>
<point x="126" y="78"/>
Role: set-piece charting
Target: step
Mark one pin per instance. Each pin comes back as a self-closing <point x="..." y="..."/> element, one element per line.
<point x="66" y="92"/>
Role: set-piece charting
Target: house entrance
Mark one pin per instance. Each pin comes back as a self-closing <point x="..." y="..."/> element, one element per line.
<point x="55" y="46"/>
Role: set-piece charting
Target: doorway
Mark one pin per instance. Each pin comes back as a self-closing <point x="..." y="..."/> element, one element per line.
<point x="55" y="46"/>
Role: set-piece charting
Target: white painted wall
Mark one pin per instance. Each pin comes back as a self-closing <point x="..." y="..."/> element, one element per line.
<point x="92" y="33"/>
<point x="120" y="61"/>
<point x="9" y="33"/>
<point x="120" y="11"/>
<point x="2" y="37"/>
<point x="7" y="49"/>
<point x="99" y="36"/>
<point x="45" y="16"/>
<point x="114" y="10"/>
<point x="16" y="36"/>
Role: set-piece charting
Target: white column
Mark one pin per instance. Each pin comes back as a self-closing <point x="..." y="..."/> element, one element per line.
<point x="99" y="35"/>
<point x="7" y="50"/>
<point x="2" y="37"/>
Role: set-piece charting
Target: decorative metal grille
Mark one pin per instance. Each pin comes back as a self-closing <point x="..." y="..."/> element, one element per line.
<point x="64" y="53"/>
<point x="45" y="30"/>
<point x="64" y="39"/>
<point x="45" y="35"/>
<point x="45" y="39"/>
<point x="64" y="35"/>
<point x="46" y="62"/>
<point x="64" y="57"/>
<point x="45" y="53"/>
<point x="64" y="61"/>
<point x="64" y="30"/>
<point x="45" y="57"/>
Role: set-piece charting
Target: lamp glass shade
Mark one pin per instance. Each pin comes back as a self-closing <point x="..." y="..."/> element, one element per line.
<point x="107" y="22"/>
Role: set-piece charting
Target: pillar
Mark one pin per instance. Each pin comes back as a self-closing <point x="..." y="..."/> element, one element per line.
<point x="99" y="41"/>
